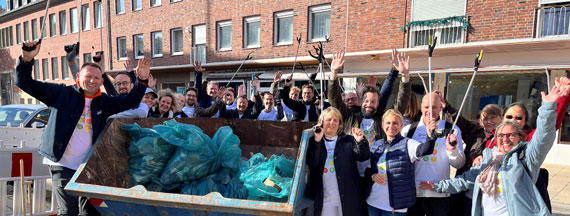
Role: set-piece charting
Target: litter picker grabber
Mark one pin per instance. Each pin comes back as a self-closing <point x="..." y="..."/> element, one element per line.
<point x="319" y="55"/>
<point x="30" y="48"/>
<point x="431" y="47"/>
<point x="248" y="57"/>
<point x="475" y="69"/>
<point x="69" y="48"/>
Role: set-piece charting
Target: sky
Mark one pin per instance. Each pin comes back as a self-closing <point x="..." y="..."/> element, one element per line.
<point x="3" y="4"/>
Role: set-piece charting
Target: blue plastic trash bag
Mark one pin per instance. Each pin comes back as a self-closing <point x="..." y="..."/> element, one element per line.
<point x="254" y="177"/>
<point x="148" y="153"/>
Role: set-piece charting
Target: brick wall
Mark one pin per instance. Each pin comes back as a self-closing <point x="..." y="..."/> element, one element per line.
<point x="501" y="19"/>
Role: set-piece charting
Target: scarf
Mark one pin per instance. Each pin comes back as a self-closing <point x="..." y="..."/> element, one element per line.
<point x="488" y="178"/>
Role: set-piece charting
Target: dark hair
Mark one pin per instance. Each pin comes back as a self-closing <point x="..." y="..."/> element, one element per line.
<point x="232" y="90"/>
<point x="243" y="96"/>
<point x="126" y="74"/>
<point x="309" y="86"/>
<point x="192" y="89"/>
<point x="413" y="107"/>
<point x="525" y="111"/>
<point x="371" y="89"/>
<point x="92" y="65"/>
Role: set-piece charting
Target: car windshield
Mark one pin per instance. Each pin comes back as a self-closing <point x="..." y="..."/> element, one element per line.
<point x="13" y="115"/>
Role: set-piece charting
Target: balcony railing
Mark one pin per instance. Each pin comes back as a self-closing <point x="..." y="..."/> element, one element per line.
<point x="553" y="21"/>
<point x="448" y="31"/>
<point x="199" y="53"/>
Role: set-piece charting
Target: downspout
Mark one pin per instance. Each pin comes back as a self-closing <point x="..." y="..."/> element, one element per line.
<point x="109" y="41"/>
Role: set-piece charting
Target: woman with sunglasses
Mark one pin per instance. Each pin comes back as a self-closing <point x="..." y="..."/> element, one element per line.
<point x="504" y="183"/>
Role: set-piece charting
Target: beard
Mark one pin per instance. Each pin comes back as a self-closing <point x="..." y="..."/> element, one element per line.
<point x="368" y="114"/>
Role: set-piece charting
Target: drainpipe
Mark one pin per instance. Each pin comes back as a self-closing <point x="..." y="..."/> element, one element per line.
<point x="109" y="41"/>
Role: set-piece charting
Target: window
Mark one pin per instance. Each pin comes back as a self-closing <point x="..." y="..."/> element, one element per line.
<point x="85" y="21"/>
<point x="156" y="44"/>
<point x="6" y="38"/>
<point x="87" y="58"/>
<point x="224" y="35"/>
<point x="97" y="14"/>
<point x="45" y="69"/>
<point x="171" y="1"/>
<point x="42" y="27"/>
<point x="138" y="46"/>
<point x="18" y="34"/>
<point x="251" y="31"/>
<point x="554" y="21"/>
<point x="137" y="5"/>
<point x="54" y="70"/>
<point x="319" y="22"/>
<point x="451" y="32"/>
<point x="154" y="3"/>
<point x="62" y="23"/>
<point x="119" y="6"/>
<point x="37" y="69"/>
<point x="26" y="32"/>
<point x="73" y="18"/>
<point x="64" y="68"/>
<point x="199" y="40"/>
<point x="283" y="32"/>
<point x="122" y="48"/>
<point x="52" y="25"/>
<point x="34" y="29"/>
<point x="177" y="41"/>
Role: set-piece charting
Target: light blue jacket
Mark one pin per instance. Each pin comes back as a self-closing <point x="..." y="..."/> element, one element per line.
<point x="521" y="196"/>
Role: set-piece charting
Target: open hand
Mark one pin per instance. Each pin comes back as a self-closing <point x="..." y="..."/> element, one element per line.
<point x="241" y="90"/>
<point x="371" y="80"/>
<point x="128" y="65"/>
<point x="151" y="82"/>
<point x="336" y="64"/>
<point x="198" y="66"/>
<point x="143" y="69"/>
<point x="277" y="77"/>
<point x="555" y="93"/>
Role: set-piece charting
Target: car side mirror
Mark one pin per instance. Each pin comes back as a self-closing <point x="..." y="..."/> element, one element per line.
<point x="38" y="125"/>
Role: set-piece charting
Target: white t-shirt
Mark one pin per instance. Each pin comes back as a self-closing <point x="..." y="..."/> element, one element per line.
<point x="140" y="112"/>
<point x="379" y="196"/>
<point x="434" y="167"/>
<point x="330" y="183"/>
<point x="189" y="111"/>
<point x="288" y="113"/>
<point x="271" y="116"/>
<point x="496" y="206"/>
<point x="367" y="126"/>
<point x="80" y="142"/>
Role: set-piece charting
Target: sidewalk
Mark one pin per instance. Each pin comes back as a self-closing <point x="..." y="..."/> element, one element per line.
<point x="559" y="188"/>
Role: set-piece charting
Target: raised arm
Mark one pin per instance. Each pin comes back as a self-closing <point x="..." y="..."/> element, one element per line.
<point x="360" y="148"/>
<point x="70" y="58"/>
<point x="405" y="87"/>
<point x="124" y="102"/>
<point x="198" y="82"/>
<point x="334" y="93"/>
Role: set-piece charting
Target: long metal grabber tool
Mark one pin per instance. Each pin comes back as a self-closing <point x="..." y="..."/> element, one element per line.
<point x="327" y="40"/>
<point x="431" y="47"/>
<point x="475" y="69"/>
<point x="296" y="53"/>
<point x="320" y="57"/>
<point x="248" y="57"/>
<point x="69" y="48"/>
<point x="30" y="48"/>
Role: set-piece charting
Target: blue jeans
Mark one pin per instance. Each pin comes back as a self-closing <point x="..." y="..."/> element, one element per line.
<point x="68" y="204"/>
<point x="373" y="211"/>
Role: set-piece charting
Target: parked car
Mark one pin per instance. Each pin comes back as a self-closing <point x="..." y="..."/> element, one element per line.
<point x="25" y="114"/>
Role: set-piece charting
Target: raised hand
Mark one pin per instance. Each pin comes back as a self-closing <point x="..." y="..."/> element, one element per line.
<point x="427" y="185"/>
<point x="128" y="65"/>
<point x="450" y="138"/>
<point x="319" y="136"/>
<point x="151" y="82"/>
<point x="359" y="89"/>
<point x="563" y="81"/>
<point x="241" y="90"/>
<point x="431" y="127"/>
<point x="555" y="93"/>
<point x="358" y="134"/>
<point x="379" y="179"/>
<point x="143" y="69"/>
<point x="371" y="80"/>
<point x="221" y="92"/>
<point x="477" y="161"/>
<point x="198" y="66"/>
<point x="289" y="80"/>
<point x="277" y="77"/>
<point x="28" y="56"/>
<point x="336" y="64"/>
<point x="395" y="58"/>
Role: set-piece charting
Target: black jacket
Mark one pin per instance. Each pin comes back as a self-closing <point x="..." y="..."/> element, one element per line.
<point x="347" y="152"/>
<point x="299" y="108"/>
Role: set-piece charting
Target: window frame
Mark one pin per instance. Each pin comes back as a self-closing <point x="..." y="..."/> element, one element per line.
<point x="34" y="27"/>
<point x="18" y="33"/>
<point x="54" y="68"/>
<point x="45" y="68"/>
<point x="173" y="41"/>
<point x="62" y="23"/>
<point x="246" y="22"/>
<point x="157" y="3"/>
<point x="71" y="18"/>
<point x="119" y="10"/>
<point x="135" y="43"/>
<point x="133" y="4"/>
<point x="97" y="16"/>
<point x="153" y="48"/>
<point x="85" y="18"/>
<point x="276" y="17"/>
<point x="64" y="68"/>
<point x="119" y="49"/>
<point x="314" y="10"/>
<point x="219" y="26"/>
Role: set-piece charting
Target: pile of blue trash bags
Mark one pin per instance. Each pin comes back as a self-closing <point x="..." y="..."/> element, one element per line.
<point x="176" y="157"/>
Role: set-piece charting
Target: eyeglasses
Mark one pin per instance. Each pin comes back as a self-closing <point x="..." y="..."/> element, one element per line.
<point x="350" y="99"/>
<point x="519" y="118"/>
<point x="125" y="83"/>
<point x="509" y="135"/>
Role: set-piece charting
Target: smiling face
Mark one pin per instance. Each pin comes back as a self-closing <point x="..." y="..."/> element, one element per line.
<point x="241" y="105"/>
<point x="268" y="102"/>
<point x="148" y="99"/>
<point x="229" y="97"/>
<point x="212" y="89"/>
<point x="164" y="104"/>
<point x="90" y="79"/>
<point x="515" y="114"/>
<point x="351" y="99"/>
<point x="507" y="138"/>
<point x="330" y="124"/>
<point x="308" y="94"/>
<point x="294" y="94"/>
<point x="436" y="107"/>
<point x="123" y="84"/>
<point x="370" y="103"/>
<point x="392" y="126"/>
<point x="180" y="99"/>
<point x="489" y="122"/>
<point x="191" y="98"/>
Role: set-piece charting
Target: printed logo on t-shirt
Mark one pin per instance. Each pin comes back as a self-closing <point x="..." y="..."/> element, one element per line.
<point x="367" y="127"/>
<point x="499" y="188"/>
<point x="329" y="164"/>
<point x="85" y="120"/>
<point x="382" y="165"/>
<point x="432" y="157"/>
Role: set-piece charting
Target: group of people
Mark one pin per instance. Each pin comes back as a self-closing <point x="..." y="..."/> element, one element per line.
<point x="365" y="159"/>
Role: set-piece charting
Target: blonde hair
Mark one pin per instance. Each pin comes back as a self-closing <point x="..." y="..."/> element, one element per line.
<point x="395" y="113"/>
<point x="336" y="113"/>
<point x="295" y="89"/>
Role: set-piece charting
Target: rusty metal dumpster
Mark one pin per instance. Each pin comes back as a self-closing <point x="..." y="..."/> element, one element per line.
<point x="104" y="174"/>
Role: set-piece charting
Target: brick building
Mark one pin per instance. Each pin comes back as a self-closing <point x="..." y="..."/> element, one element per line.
<point x="526" y="43"/>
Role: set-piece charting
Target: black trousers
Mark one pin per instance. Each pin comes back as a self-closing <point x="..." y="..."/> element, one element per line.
<point x="68" y="204"/>
<point x="430" y="206"/>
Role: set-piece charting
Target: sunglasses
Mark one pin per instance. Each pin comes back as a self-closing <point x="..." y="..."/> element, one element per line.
<point x="518" y="118"/>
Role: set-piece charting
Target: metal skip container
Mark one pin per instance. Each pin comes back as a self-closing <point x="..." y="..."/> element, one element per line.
<point x="104" y="175"/>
